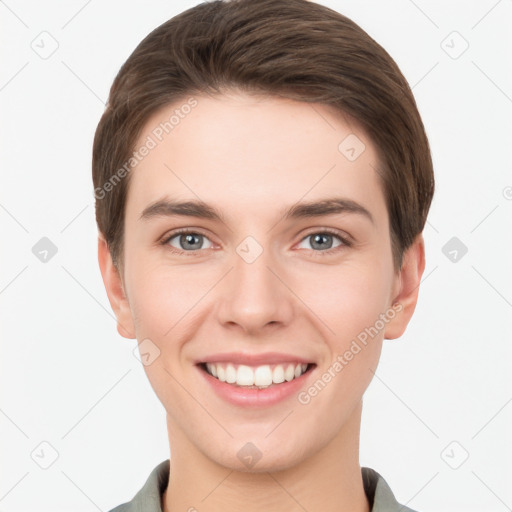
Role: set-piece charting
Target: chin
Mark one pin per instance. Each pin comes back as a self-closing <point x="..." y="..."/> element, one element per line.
<point x="260" y="456"/>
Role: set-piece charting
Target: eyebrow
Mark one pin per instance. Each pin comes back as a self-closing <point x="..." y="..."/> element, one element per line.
<point x="200" y="209"/>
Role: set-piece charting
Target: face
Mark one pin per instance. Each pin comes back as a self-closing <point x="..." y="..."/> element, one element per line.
<point x="262" y="282"/>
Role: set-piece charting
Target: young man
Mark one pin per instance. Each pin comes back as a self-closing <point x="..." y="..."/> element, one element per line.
<point x="262" y="179"/>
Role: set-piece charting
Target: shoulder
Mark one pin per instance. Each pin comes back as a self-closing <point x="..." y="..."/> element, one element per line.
<point x="125" y="507"/>
<point x="149" y="497"/>
<point x="379" y="493"/>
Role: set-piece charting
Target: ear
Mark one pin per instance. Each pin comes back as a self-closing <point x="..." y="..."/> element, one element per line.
<point x="406" y="289"/>
<point x="115" y="291"/>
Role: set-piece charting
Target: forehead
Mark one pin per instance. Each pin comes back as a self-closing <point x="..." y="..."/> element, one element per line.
<point x="246" y="153"/>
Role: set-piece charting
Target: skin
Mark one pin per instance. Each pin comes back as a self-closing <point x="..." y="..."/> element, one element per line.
<point x="250" y="157"/>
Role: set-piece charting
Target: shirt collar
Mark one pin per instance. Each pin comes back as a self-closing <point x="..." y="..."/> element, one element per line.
<point x="149" y="498"/>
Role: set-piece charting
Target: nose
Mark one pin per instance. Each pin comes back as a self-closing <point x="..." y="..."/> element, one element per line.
<point x="254" y="295"/>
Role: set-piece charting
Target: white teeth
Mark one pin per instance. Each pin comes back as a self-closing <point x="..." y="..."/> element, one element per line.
<point x="212" y="369"/>
<point x="221" y="374"/>
<point x="244" y="376"/>
<point x="260" y="376"/>
<point x="263" y="376"/>
<point x="278" y="374"/>
<point x="230" y="374"/>
<point x="289" y="372"/>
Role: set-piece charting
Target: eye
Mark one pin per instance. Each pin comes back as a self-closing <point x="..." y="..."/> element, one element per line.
<point x="322" y="241"/>
<point x="186" y="241"/>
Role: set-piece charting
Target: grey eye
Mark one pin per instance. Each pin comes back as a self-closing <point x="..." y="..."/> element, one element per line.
<point x="188" y="241"/>
<point x="322" y="241"/>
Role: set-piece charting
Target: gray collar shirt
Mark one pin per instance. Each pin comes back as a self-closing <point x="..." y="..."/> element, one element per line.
<point x="149" y="498"/>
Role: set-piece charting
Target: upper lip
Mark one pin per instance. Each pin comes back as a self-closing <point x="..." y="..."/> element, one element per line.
<point x="253" y="359"/>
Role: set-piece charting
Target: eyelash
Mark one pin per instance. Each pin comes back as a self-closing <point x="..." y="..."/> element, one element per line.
<point x="327" y="231"/>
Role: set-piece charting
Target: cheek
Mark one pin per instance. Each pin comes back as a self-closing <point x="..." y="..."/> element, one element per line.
<point x="348" y="299"/>
<point x="162" y="297"/>
<point x="349" y="303"/>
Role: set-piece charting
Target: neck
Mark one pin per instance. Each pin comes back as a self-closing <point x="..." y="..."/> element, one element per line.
<point x="330" y="480"/>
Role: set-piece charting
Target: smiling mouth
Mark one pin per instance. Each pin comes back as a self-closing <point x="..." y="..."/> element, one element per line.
<point x="256" y="377"/>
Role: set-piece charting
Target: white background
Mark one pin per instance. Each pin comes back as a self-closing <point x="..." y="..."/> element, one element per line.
<point x="67" y="377"/>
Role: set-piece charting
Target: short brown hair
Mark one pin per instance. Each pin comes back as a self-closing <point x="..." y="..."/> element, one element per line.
<point x="295" y="49"/>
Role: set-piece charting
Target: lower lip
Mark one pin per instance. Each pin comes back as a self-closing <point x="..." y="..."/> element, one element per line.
<point x="242" y="396"/>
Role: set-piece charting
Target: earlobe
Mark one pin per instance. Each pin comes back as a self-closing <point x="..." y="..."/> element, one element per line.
<point x="409" y="279"/>
<point x="115" y="291"/>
